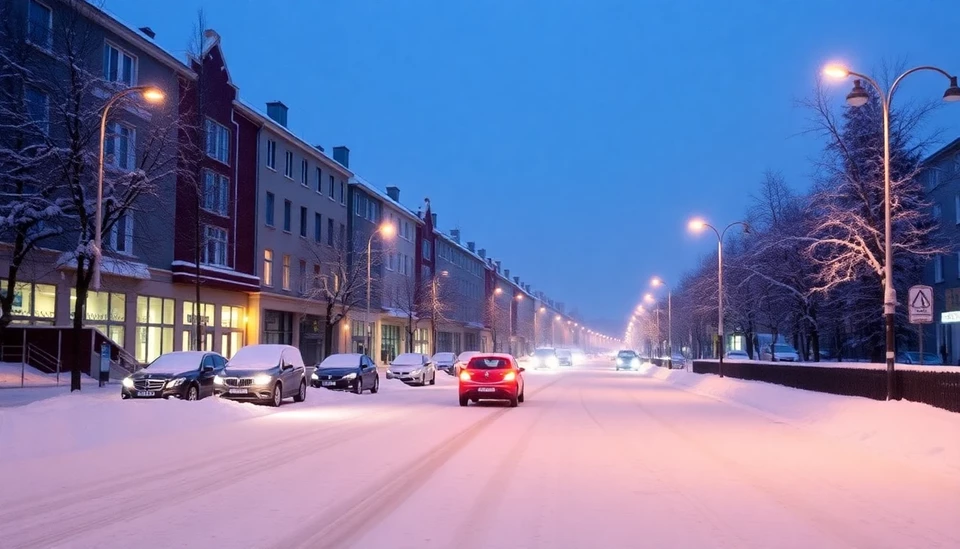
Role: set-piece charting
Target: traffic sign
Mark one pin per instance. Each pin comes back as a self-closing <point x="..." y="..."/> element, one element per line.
<point x="920" y="304"/>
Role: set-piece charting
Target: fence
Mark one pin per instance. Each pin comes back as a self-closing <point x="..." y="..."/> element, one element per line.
<point x="940" y="389"/>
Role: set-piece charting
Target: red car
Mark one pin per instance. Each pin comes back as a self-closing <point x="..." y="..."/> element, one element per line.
<point x="493" y="376"/>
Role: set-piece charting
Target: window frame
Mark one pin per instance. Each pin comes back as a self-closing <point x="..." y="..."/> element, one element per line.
<point x="221" y="142"/>
<point x="45" y="126"/>
<point x="222" y="248"/>
<point x="287" y="216"/>
<point x="49" y="45"/>
<point x="221" y="198"/>
<point x="110" y="142"/>
<point x="127" y="219"/>
<point x="270" y="206"/>
<point x="303" y="221"/>
<point x="305" y="173"/>
<point x="267" y="274"/>
<point x="285" y="272"/>
<point x="271" y="154"/>
<point x="317" y="227"/>
<point x="343" y="193"/>
<point x="288" y="164"/>
<point x="331" y="193"/>
<point x="134" y="60"/>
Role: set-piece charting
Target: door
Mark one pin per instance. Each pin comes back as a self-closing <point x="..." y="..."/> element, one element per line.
<point x="208" y="369"/>
<point x="367" y="371"/>
<point x="288" y="374"/>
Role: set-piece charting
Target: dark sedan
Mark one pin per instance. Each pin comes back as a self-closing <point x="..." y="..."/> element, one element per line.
<point x="347" y="372"/>
<point x="187" y="375"/>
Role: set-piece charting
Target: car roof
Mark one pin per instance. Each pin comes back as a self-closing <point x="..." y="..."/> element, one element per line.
<point x="494" y="355"/>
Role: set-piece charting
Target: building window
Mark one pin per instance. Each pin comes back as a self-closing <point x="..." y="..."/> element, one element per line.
<point x="268" y="267"/>
<point x="40" y="25"/>
<point x="319" y="180"/>
<point x="317" y="225"/>
<point x="317" y="277"/>
<point x="218" y="141"/>
<point x="121" y="235"/>
<point x="154" y="327"/>
<point x="304" y="172"/>
<point x="421" y="341"/>
<point x="120" y="146"/>
<point x="270" y="206"/>
<point x="329" y="231"/>
<point x="32" y="303"/>
<point x="286" y="272"/>
<point x="38" y="108"/>
<point x="937" y="211"/>
<point x="119" y="66"/>
<point x="331" y="187"/>
<point x="391" y="262"/>
<point x="343" y="236"/>
<point x="938" y="268"/>
<point x="426" y="249"/>
<point x="272" y="154"/>
<point x="302" y="280"/>
<point x="402" y="263"/>
<point x="232" y="321"/>
<point x="191" y="320"/>
<point x="303" y="221"/>
<point x="288" y="165"/>
<point x="389" y="342"/>
<point x="359" y="204"/>
<point x="286" y="215"/>
<point x="215" y="251"/>
<point x="343" y="193"/>
<point x="105" y="311"/>
<point x="216" y="192"/>
<point x="277" y="327"/>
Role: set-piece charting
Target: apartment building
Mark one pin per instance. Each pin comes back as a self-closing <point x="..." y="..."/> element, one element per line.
<point x="460" y="325"/>
<point x="401" y="327"/>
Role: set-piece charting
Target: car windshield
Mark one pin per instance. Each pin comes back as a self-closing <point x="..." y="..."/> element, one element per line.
<point x="175" y="363"/>
<point x="544" y="352"/>
<point x="627" y="354"/>
<point x="467" y="355"/>
<point x="563" y="352"/>
<point x="444" y="357"/>
<point x="341" y="361"/>
<point x="489" y="363"/>
<point x="928" y="358"/>
<point x="408" y="359"/>
<point x="784" y="349"/>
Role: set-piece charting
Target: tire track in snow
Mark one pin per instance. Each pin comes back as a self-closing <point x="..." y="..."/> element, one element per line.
<point x="341" y="527"/>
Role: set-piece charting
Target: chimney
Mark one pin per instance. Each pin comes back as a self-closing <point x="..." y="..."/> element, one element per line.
<point x="482" y="253"/>
<point x="506" y="274"/>
<point x="472" y="246"/>
<point x="278" y="112"/>
<point x="498" y="266"/>
<point x="394" y="193"/>
<point x="455" y="235"/>
<point x="149" y="32"/>
<point x="320" y="148"/>
<point x="433" y="219"/>
<point x="516" y="280"/>
<point x="342" y="155"/>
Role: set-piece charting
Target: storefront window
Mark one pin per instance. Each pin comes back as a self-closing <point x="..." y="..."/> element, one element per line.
<point x="190" y="327"/>
<point x="389" y="343"/>
<point x="32" y="303"/>
<point x="105" y="311"/>
<point x="277" y="327"/>
<point x="231" y="317"/>
<point x="154" y="327"/>
<point x="232" y="322"/>
<point x="421" y="341"/>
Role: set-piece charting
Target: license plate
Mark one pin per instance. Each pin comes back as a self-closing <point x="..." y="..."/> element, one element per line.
<point x="328" y="383"/>
<point x="237" y="391"/>
<point x="146" y="393"/>
<point x="486" y="390"/>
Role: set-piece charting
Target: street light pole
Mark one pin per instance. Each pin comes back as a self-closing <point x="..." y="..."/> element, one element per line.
<point x="385" y="230"/>
<point x="152" y="95"/>
<point x="857" y="98"/>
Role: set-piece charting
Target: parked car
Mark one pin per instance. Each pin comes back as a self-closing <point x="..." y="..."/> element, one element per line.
<point x="493" y="376"/>
<point x="565" y="357"/>
<point x="781" y="353"/>
<point x="446" y="362"/>
<point x="545" y="358"/>
<point x="187" y="375"/>
<point x="464" y="357"/>
<point x="627" y="360"/>
<point x="413" y="369"/>
<point x="913" y="357"/>
<point x="738" y="355"/>
<point x="347" y="372"/>
<point x="678" y="361"/>
<point x="265" y="374"/>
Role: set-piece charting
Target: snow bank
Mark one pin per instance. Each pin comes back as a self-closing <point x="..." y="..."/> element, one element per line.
<point x="852" y="364"/>
<point x="915" y="432"/>
<point x="10" y="376"/>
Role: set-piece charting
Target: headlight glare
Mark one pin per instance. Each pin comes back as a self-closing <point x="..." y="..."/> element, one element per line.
<point x="175" y="383"/>
<point x="128" y="382"/>
<point x="217" y="380"/>
<point x="262" y="379"/>
<point x="350" y="376"/>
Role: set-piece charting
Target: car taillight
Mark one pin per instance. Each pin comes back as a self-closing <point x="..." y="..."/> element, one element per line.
<point x="509" y="376"/>
<point x="465" y="375"/>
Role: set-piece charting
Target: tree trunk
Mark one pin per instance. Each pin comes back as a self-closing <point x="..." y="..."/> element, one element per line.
<point x="79" y="314"/>
<point x="328" y="330"/>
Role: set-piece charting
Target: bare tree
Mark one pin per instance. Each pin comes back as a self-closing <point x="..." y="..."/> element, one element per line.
<point x="410" y="298"/>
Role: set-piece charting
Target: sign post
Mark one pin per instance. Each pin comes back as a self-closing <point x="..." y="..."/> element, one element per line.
<point x="920" y="307"/>
<point x="104" y="363"/>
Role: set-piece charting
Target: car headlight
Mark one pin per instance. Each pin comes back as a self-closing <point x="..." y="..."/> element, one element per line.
<point x="619" y="361"/>
<point x="417" y="372"/>
<point x="128" y="382"/>
<point x="350" y="376"/>
<point x="262" y="379"/>
<point x="314" y="376"/>
<point x="553" y="361"/>
<point x="635" y="362"/>
<point x="217" y="380"/>
<point x="175" y="383"/>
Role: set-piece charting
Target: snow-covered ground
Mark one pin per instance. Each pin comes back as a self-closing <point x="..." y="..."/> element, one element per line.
<point x="862" y="365"/>
<point x="593" y="458"/>
<point x="15" y="374"/>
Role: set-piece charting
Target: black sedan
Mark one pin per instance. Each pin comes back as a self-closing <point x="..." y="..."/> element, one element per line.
<point x="347" y="372"/>
<point x="187" y="375"/>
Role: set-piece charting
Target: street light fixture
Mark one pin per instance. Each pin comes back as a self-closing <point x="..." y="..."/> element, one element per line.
<point x="434" y="309"/>
<point x="385" y="230"/>
<point x="150" y="94"/>
<point x="859" y="97"/>
<point x="658" y="282"/>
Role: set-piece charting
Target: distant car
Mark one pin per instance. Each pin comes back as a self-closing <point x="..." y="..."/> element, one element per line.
<point x="545" y="358"/>
<point x="265" y="374"/>
<point x="678" y="361"/>
<point x="413" y="369"/>
<point x="347" y="372"/>
<point x="565" y="357"/>
<point x="627" y="360"/>
<point x="463" y="358"/>
<point x="579" y="357"/>
<point x="738" y="355"/>
<point x="493" y="376"/>
<point x="187" y="375"/>
<point x="446" y="362"/>
<point x="781" y="353"/>
<point x="913" y="357"/>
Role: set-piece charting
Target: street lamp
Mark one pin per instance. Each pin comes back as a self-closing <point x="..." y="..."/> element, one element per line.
<point x="434" y="310"/>
<point x="657" y="282"/>
<point x="650" y="299"/>
<point x="385" y="230"/>
<point x="857" y="98"/>
<point x="150" y="94"/>
<point x="698" y="225"/>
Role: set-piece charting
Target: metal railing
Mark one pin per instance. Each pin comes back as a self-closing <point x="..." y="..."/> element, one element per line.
<point x="34" y="357"/>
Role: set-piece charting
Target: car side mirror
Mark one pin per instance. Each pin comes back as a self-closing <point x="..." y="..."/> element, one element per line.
<point x="521" y="369"/>
<point x="207" y="369"/>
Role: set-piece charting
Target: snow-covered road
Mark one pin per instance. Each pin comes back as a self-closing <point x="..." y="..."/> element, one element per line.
<point x="594" y="458"/>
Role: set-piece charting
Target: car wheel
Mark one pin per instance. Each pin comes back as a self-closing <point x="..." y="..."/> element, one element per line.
<point x="302" y="393"/>
<point x="277" y="395"/>
<point x="359" y="387"/>
<point x="463" y="401"/>
<point x="514" y="402"/>
<point x="193" y="393"/>
<point x="376" y="385"/>
<point x="433" y="378"/>
<point x="521" y="397"/>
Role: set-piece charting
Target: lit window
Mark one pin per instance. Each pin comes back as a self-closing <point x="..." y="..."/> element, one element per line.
<point x="40" y="25"/>
<point x="286" y="272"/>
<point x="119" y="66"/>
<point x="268" y="267"/>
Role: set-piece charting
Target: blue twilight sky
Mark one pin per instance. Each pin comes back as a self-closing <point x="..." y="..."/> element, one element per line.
<point x="570" y="138"/>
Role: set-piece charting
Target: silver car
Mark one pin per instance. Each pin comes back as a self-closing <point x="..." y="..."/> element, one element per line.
<point x="413" y="369"/>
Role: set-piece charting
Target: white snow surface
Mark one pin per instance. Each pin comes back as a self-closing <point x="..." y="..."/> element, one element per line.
<point x="344" y="360"/>
<point x="263" y="356"/>
<point x="593" y="458"/>
<point x="176" y="362"/>
<point x="408" y="359"/>
<point x="13" y="373"/>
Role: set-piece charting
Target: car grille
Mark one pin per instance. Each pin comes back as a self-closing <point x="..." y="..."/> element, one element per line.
<point x="149" y="384"/>
<point x="238" y="381"/>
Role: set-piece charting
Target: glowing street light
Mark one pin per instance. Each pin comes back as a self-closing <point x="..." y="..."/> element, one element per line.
<point x="385" y="230"/>
<point x="658" y="282"/>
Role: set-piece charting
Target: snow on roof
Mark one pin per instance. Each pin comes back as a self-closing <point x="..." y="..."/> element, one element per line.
<point x="176" y="362"/>
<point x="109" y="265"/>
<point x="258" y="356"/>
<point x="463" y="248"/>
<point x="408" y="359"/>
<point x="367" y="186"/>
<point x="343" y="360"/>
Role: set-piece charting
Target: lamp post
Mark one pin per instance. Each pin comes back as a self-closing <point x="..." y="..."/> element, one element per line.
<point x="497" y="340"/>
<point x="435" y="308"/>
<point x="536" y="328"/>
<point x="857" y="98"/>
<point x="518" y="298"/>
<point x="152" y="95"/>
<point x="657" y="282"/>
<point x="698" y="225"/>
<point x="385" y="230"/>
<point x="553" y="331"/>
